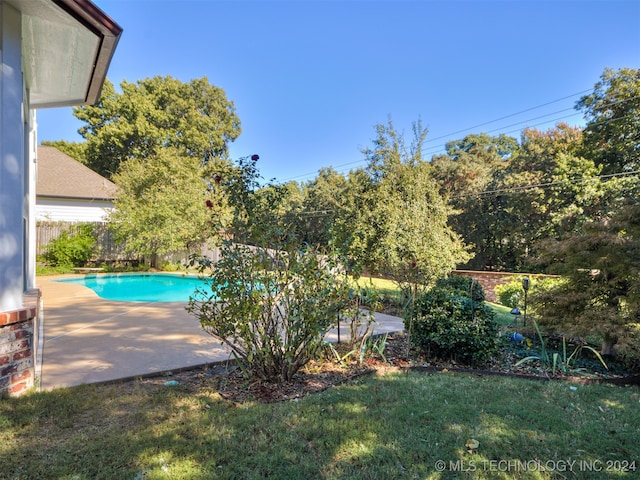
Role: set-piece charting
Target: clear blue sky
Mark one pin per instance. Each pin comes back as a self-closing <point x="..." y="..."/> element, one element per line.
<point x="310" y="79"/>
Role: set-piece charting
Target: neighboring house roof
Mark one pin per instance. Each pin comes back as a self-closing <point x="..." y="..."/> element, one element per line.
<point x="59" y="175"/>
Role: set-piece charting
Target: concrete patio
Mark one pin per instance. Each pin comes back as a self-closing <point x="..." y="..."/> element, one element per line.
<point x="88" y="339"/>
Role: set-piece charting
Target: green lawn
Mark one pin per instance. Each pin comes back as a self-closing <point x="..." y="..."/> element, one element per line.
<point x="399" y="425"/>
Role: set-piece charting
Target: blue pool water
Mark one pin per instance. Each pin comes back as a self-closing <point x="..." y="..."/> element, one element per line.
<point x="140" y="287"/>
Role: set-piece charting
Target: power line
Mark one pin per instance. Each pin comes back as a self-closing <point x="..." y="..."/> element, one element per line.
<point x="461" y="131"/>
<point x="510" y="115"/>
<point x="521" y="188"/>
<point x="516" y="189"/>
<point x="435" y="148"/>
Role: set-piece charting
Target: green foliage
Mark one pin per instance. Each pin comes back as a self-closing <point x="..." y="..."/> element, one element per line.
<point x="510" y="198"/>
<point x="470" y="166"/>
<point x="510" y="294"/>
<point x="393" y="220"/>
<point x="162" y="205"/>
<point x="359" y="313"/>
<point x="559" y="361"/>
<point x="600" y="291"/>
<point x="71" y="249"/>
<point x="446" y="322"/>
<point x="460" y="285"/>
<point x="194" y="118"/>
<point x="612" y="112"/>
<point x="271" y="301"/>
<point x="271" y="307"/>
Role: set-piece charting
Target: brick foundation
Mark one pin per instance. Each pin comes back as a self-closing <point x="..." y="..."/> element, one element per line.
<point x="18" y="344"/>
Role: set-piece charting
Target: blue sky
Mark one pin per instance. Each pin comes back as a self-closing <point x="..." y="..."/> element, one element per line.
<point x="311" y="79"/>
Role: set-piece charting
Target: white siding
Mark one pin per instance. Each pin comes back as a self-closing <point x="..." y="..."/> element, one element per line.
<point x="13" y="184"/>
<point x="66" y="210"/>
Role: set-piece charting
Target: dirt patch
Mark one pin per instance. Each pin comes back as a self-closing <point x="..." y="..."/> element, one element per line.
<point x="229" y="381"/>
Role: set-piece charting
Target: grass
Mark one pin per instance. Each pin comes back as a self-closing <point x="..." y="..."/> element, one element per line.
<point x="503" y="314"/>
<point x="397" y="425"/>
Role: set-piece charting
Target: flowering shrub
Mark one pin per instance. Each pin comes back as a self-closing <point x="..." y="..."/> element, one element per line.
<point x="273" y="301"/>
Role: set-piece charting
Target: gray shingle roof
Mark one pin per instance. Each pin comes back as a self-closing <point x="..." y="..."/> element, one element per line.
<point x="59" y="175"/>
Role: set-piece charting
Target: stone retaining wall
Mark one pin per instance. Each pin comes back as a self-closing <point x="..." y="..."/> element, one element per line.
<point x="18" y="345"/>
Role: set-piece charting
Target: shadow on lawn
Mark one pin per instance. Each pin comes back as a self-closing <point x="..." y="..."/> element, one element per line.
<point x="383" y="426"/>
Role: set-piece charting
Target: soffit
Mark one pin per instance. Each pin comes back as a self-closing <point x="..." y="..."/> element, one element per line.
<point x="67" y="46"/>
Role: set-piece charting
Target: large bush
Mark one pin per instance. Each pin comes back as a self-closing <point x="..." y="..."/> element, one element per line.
<point x="271" y="302"/>
<point x="71" y="249"/>
<point x="271" y="307"/>
<point x="451" y="321"/>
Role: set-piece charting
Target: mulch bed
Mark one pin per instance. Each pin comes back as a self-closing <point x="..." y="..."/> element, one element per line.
<point x="318" y="376"/>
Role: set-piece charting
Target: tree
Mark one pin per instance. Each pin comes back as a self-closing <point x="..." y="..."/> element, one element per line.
<point x="323" y="197"/>
<point x="471" y="166"/>
<point x="394" y="221"/>
<point x="195" y="118"/>
<point x="162" y="204"/>
<point x="612" y="111"/>
<point x="600" y="294"/>
<point x="598" y="257"/>
<point x="548" y="191"/>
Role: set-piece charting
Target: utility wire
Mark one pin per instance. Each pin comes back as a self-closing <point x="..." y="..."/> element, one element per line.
<point x="516" y="189"/>
<point x="433" y="149"/>
<point x="463" y="130"/>
<point x="436" y="148"/>
<point x="522" y="188"/>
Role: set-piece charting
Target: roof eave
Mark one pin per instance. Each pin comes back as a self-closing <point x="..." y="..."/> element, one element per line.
<point x="102" y="25"/>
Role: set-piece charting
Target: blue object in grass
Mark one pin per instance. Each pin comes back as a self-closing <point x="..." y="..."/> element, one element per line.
<point x="516" y="337"/>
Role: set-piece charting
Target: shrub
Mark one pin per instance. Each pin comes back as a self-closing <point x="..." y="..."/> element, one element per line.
<point x="273" y="307"/>
<point x="449" y="321"/>
<point x="510" y="294"/>
<point x="460" y="285"/>
<point x="71" y="249"/>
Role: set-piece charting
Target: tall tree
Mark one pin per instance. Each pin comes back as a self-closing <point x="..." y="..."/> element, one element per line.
<point x="470" y="167"/>
<point x="396" y="222"/>
<point x="320" y="207"/>
<point x="195" y="118"/>
<point x="549" y="190"/>
<point x="601" y="292"/>
<point x="612" y="111"/>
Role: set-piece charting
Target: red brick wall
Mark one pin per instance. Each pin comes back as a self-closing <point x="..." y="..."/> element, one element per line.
<point x="490" y="280"/>
<point x="17" y="348"/>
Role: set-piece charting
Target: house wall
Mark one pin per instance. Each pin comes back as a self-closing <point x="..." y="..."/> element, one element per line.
<point x="63" y="210"/>
<point x="18" y="310"/>
<point x="13" y="184"/>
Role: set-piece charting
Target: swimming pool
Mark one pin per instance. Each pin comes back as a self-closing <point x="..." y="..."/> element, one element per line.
<point x="140" y="287"/>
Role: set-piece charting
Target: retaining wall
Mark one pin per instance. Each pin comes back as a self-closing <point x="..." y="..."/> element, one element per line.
<point x="490" y="280"/>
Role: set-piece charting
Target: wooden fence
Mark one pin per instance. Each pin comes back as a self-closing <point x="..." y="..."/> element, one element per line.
<point x="107" y="248"/>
